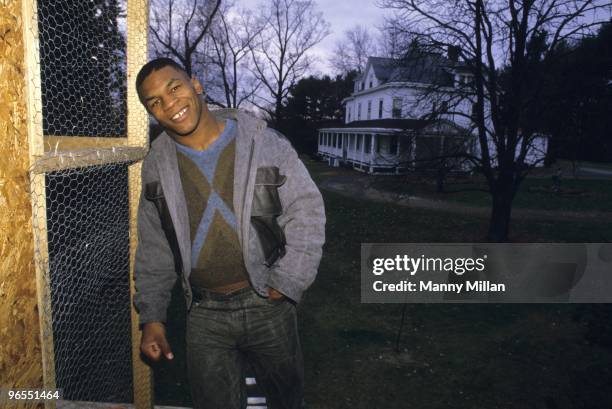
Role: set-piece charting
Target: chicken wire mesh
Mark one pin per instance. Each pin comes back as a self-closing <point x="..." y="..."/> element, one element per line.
<point x="84" y="193"/>
<point x="87" y="224"/>
<point x="83" y="67"/>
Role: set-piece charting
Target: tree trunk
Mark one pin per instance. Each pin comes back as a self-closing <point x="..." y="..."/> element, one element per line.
<point x="278" y="112"/>
<point x="501" y="210"/>
<point x="440" y="177"/>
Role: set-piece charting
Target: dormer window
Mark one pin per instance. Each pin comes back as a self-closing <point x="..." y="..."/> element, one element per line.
<point x="362" y="85"/>
<point x="370" y="84"/>
<point x="463" y="79"/>
<point x="396" y="111"/>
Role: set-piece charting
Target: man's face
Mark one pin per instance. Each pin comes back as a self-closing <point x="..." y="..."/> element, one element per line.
<point x="173" y="99"/>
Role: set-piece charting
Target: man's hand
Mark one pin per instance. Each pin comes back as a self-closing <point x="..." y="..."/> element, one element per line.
<point x="274" y="294"/>
<point x="154" y="343"/>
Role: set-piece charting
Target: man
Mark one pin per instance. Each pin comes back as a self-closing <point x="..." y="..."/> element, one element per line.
<point x="227" y="205"/>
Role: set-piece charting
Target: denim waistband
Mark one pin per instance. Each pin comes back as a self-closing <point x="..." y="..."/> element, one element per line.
<point x="200" y="294"/>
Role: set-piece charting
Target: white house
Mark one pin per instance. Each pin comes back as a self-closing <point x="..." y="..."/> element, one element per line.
<point x="401" y="116"/>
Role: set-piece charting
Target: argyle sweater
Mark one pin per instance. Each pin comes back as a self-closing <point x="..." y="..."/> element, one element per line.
<point x="208" y="180"/>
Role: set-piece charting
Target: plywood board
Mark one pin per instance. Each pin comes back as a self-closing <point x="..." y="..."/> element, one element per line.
<point x="20" y="349"/>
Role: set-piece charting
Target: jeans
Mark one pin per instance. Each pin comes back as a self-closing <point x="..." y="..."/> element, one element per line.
<point x="224" y="332"/>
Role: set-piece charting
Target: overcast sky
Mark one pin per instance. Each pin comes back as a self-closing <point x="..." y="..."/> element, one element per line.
<point x="345" y="14"/>
<point x="341" y="15"/>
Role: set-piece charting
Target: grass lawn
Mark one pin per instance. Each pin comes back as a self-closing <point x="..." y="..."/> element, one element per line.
<point x="566" y="164"/>
<point x="450" y="356"/>
<point x="459" y="356"/>
<point x="535" y="192"/>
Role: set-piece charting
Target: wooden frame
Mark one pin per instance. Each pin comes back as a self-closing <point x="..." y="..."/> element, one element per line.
<point x="49" y="153"/>
<point x="37" y="189"/>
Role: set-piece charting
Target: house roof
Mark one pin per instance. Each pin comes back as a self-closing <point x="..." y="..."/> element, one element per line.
<point x="387" y="124"/>
<point x="383" y="67"/>
<point x="433" y="126"/>
<point x="418" y="66"/>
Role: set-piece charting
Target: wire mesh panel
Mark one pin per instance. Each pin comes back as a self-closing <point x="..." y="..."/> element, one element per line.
<point x="83" y="67"/>
<point x="81" y="54"/>
<point x="88" y="244"/>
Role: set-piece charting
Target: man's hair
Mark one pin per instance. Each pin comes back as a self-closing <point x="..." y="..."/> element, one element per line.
<point x="155" y="65"/>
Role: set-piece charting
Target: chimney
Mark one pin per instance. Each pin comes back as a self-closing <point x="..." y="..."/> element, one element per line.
<point x="453" y="53"/>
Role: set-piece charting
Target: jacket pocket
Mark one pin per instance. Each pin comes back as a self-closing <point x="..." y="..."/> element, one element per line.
<point x="265" y="211"/>
<point x="154" y="193"/>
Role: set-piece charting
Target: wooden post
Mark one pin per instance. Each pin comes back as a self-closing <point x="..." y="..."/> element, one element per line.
<point x="38" y="194"/>
<point x="137" y="136"/>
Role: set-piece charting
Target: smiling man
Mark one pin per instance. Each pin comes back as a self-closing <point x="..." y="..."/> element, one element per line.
<point x="228" y="206"/>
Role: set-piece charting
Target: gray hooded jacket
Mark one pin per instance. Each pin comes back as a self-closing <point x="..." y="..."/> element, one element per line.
<point x="265" y="162"/>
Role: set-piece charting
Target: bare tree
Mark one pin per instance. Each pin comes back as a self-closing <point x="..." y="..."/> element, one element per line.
<point x="495" y="39"/>
<point x="280" y="52"/>
<point x="392" y="39"/>
<point x="179" y="28"/>
<point x="231" y="40"/>
<point x="353" y="51"/>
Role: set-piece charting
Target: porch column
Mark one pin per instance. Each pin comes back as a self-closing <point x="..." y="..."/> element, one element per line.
<point x="397" y="154"/>
<point x="413" y="153"/>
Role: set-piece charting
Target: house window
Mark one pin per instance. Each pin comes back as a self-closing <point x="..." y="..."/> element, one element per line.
<point x="393" y="145"/>
<point x="358" y="142"/>
<point x="368" y="143"/>
<point x="348" y="113"/>
<point x="444" y="106"/>
<point x="369" y="110"/>
<point x="377" y="144"/>
<point x="463" y="79"/>
<point x="397" y="108"/>
<point x="352" y="142"/>
<point x="362" y="85"/>
<point x="474" y="110"/>
<point x="380" y="109"/>
<point x="359" y="111"/>
<point x="340" y="136"/>
<point x="370" y="83"/>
